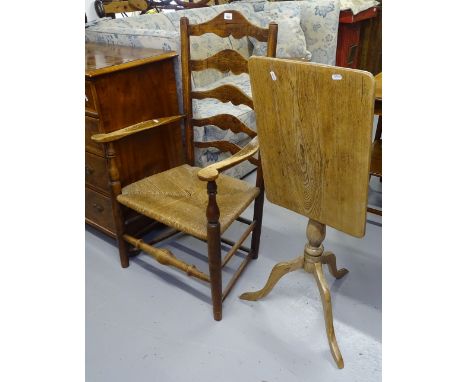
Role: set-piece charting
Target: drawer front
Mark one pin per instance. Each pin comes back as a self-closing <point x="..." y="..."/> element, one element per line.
<point x="91" y="128"/>
<point x="90" y="103"/>
<point x="96" y="172"/>
<point x="98" y="209"/>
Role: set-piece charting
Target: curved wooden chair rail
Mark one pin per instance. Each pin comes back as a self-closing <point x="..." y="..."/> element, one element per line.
<point x="136" y="128"/>
<point x="211" y="172"/>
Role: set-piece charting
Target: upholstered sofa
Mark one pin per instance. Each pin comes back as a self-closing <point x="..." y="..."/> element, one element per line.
<point x="306" y="29"/>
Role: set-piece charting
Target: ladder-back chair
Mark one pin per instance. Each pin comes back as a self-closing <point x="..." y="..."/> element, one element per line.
<point x="199" y="202"/>
<point x="314" y="126"/>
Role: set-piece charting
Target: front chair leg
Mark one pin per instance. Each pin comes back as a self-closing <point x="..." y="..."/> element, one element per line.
<point x="214" y="251"/>
<point x="329" y="258"/>
<point x="278" y="271"/>
<point x="327" y="312"/>
<point x="258" y="214"/>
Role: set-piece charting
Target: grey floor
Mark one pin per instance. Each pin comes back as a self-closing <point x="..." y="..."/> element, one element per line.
<point x="152" y="323"/>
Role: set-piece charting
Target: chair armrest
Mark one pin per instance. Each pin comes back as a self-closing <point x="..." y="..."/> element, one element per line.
<point x="133" y="129"/>
<point x="211" y="172"/>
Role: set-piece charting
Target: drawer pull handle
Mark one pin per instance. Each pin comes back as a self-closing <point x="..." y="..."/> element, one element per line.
<point x="89" y="170"/>
<point x="98" y="207"/>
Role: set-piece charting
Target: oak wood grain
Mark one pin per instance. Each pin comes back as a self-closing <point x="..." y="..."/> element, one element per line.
<point x="314" y="124"/>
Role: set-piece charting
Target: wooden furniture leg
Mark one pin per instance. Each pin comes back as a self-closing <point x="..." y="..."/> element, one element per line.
<point x="317" y="271"/>
<point x="258" y="214"/>
<point x="329" y="258"/>
<point x="278" y="271"/>
<point x="214" y="251"/>
<point x="311" y="261"/>
<point x="114" y="179"/>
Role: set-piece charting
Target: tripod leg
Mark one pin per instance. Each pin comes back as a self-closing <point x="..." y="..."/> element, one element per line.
<point x="327" y="313"/>
<point x="329" y="258"/>
<point x="278" y="271"/>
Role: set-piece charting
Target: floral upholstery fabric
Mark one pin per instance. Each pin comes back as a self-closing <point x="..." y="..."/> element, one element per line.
<point x="209" y="106"/>
<point x="318" y="20"/>
<point x="291" y="40"/>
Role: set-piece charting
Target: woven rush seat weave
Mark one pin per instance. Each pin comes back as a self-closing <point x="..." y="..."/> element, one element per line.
<point x="177" y="198"/>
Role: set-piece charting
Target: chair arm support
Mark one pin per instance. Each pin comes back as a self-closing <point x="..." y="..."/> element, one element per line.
<point x="211" y="172"/>
<point x="133" y="129"/>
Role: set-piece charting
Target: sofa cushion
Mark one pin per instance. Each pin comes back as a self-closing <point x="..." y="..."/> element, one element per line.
<point x="195" y="16"/>
<point x="319" y="22"/>
<point x="158" y="21"/>
<point x="241" y="45"/>
<point x="291" y="40"/>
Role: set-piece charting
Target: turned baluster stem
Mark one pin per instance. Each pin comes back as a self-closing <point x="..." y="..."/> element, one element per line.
<point x="313" y="250"/>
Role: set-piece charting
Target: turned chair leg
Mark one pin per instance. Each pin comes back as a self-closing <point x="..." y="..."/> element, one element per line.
<point x="117" y="212"/>
<point x="214" y="251"/>
<point x="258" y="214"/>
<point x="120" y="230"/>
<point x="214" y="259"/>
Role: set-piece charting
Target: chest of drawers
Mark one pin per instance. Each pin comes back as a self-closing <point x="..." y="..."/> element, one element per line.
<point x="124" y="86"/>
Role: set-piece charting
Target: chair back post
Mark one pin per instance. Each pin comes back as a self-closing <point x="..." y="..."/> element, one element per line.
<point x="187" y="87"/>
<point x="272" y="38"/>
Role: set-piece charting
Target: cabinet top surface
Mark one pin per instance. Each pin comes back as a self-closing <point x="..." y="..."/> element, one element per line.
<point x="102" y="58"/>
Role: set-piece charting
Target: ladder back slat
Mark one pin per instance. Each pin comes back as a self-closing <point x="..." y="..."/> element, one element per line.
<point x="225" y="122"/>
<point x="225" y="93"/>
<point x="224" y="61"/>
<point x="230" y="23"/>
